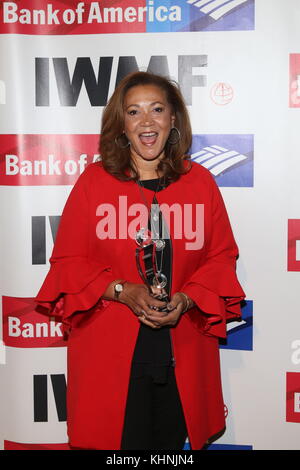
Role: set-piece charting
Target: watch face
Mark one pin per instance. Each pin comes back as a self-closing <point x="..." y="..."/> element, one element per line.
<point x="118" y="287"/>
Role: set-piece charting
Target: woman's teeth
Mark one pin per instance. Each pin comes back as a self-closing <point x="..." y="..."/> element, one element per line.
<point x="148" y="138"/>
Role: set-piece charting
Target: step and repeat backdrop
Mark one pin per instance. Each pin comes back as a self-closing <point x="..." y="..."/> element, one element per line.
<point x="238" y="65"/>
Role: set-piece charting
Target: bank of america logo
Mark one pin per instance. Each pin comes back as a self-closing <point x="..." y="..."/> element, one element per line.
<point x="201" y="15"/>
<point x="217" y="159"/>
<point x="216" y="8"/>
<point x="229" y="157"/>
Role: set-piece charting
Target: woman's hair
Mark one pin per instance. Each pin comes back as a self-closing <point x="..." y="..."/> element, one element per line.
<point x="115" y="159"/>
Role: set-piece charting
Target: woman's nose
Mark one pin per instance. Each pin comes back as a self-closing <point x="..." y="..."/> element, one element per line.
<point x="146" y="119"/>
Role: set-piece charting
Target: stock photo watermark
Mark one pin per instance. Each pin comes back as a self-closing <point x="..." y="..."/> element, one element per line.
<point x="188" y="221"/>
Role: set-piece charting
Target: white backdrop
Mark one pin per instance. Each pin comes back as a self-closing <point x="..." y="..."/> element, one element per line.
<point x="239" y="73"/>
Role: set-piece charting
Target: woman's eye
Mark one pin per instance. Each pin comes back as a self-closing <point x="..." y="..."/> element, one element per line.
<point x="158" y="109"/>
<point x="132" y="112"/>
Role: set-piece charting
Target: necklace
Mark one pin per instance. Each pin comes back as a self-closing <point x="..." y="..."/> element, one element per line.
<point x="145" y="236"/>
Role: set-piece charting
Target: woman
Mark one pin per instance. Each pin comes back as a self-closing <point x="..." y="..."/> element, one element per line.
<point x="144" y="309"/>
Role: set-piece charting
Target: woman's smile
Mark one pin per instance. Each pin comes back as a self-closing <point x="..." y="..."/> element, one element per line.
<point x="148" y="138"/>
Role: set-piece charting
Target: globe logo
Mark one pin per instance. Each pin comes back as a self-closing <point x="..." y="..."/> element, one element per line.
<point x="221" y="93"/>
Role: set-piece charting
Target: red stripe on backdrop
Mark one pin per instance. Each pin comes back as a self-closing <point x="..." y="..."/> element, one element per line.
<point x="293" y="397"/>
<point x="293" y="238"/>
<point x="23" y="327"/>
<point x="73" y="17"/>
<point x="10" y="445"/>
<point x="45" y="159"/>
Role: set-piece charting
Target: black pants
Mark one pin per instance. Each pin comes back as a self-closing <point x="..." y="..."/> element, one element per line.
<point x="154" y="418"/>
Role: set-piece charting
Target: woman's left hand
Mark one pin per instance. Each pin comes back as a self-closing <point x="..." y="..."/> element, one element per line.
<point x="169" y="318"/>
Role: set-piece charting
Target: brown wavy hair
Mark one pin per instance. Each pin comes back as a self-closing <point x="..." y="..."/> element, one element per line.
<point x="116" y="160"/>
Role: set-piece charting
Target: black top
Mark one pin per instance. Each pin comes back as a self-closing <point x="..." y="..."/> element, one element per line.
<point x="153" y="350"/>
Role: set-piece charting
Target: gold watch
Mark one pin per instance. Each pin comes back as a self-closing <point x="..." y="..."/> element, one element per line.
<point x="118" y="288"/>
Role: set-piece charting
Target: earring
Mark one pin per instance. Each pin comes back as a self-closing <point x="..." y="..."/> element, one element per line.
<point x="117" y="141"/>
<point x="176" y="138"/>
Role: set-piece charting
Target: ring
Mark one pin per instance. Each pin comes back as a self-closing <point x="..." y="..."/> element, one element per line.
<point x="143" y="314"/>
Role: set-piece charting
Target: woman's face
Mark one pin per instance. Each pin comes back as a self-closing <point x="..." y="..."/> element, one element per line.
<point x="148" y="119"/>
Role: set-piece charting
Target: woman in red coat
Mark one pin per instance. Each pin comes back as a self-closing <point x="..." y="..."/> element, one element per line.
<point x="143" y="277"/>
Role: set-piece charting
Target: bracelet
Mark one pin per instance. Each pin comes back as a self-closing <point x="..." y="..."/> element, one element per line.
<point x="187" y="302"/>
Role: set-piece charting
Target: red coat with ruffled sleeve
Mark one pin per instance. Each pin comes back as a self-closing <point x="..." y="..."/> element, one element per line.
<point x="102" y="334"/>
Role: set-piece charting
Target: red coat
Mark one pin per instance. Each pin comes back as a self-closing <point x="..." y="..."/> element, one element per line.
<point x="102" y="334"/>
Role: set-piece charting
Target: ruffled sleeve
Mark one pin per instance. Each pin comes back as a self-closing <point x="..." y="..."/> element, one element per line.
<point x="214" y="286"/>
<point x="74" y="282"/>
